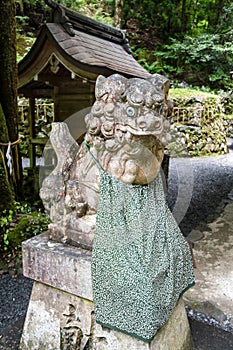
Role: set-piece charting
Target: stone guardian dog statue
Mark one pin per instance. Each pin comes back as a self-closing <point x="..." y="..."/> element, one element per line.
<point x="126" y="133"/>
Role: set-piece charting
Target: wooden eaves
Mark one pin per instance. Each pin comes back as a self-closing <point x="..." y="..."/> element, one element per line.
<point x="85" y="47"/>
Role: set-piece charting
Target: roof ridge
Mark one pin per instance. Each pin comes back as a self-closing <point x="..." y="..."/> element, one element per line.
<point x="72" y="20"/>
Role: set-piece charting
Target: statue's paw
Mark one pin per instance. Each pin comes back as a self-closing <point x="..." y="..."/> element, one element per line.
<point x="81" y="231"/>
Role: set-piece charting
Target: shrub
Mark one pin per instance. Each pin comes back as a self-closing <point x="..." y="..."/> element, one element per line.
<point x="19" y="225"/>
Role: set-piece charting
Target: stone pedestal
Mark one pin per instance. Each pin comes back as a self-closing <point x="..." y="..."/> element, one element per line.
<point x="60" y="313"/>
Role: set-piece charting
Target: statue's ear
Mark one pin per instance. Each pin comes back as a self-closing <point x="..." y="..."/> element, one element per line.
<point x="110" y="88"/>
<point x="100" y="79"/>
<point x="160" y="82"/>
<point x="99" y="86"/>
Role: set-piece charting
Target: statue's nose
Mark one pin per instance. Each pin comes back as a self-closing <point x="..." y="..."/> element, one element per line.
<point x="149" y="122"/>
<point x="142" y="124"/>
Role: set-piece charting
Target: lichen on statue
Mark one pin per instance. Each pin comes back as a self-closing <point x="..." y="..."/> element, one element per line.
<point x="126" y="133"/>
<point x="109" y="192"/>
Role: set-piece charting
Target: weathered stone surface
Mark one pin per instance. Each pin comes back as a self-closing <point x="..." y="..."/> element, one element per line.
<point x="195" y="235"/>
<point x="59" y="320"/>
<point x="60" y="310"/>
<point x="176" y="333"/>
<point x="126" y="132"/>
<point x="52" y="317"/>
<point x="197" y="124"/>
<point x="55" y="264"/>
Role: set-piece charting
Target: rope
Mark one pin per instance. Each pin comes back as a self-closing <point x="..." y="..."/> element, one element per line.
<point x="11" y="143"/>
<point x="8" y="153"/>
<point x="8" y="157"/>
<point x="93" y="158"/>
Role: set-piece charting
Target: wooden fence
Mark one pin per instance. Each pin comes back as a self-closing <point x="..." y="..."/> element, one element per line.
<point x="43" y="111"/>
<point x="181" y="115"/>
<point x="186" y="115"/>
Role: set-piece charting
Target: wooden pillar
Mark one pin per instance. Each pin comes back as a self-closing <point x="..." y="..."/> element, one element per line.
<point x="32" y="132"/>
<point x="92" y="93"/>
<point x="55" y="98"/>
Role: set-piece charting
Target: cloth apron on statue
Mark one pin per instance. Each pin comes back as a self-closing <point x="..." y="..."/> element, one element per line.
<point x="141" y="263"/>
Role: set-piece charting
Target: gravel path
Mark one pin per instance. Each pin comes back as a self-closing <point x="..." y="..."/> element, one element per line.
<point x="14" y="298"/>
<point x="195" y="189"/>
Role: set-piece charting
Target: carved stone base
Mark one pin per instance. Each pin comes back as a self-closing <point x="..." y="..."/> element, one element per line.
<point x="60" y="313"/>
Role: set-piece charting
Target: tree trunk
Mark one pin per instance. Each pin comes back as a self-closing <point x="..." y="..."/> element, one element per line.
<point x="183" y="17"/>
<point x="6" y="198"/>
<point x="118" y="17"/>
<point x="8" y="86"/>
<point x="21" y="7"/>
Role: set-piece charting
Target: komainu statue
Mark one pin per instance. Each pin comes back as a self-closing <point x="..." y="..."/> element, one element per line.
<point x="108" y="196"/>
<point x="126" y="133"/>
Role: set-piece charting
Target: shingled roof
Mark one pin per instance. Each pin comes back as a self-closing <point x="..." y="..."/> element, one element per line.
<point x="85" y="47"/>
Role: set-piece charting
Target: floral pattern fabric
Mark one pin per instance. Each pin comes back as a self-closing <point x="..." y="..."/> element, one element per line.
<point x="141" y="263"/>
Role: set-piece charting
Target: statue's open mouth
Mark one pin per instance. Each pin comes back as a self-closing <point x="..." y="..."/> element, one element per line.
<point x="139" y="132"/>
<point x="135" y="141"/>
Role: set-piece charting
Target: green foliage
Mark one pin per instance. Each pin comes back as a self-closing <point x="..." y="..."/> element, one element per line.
<point x="182" y="95"/>
<point x="201" y="60"/>
<point x="20" y="224"/>
<point x="24" y="43"/>
<point x="154" y="22"/>
<point x="190" y="40"/>
<point x="185" y="40"/>
<point x="73" y="4"/>
<point x="225" y="23"/>
<point x="102" y="10"/>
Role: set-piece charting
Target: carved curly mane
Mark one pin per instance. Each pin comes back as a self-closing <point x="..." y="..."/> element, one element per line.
<point x="126" y="132"/>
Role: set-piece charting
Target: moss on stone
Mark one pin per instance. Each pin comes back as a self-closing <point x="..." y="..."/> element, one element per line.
<point x="186" y="94"/>
<point x="198" y="127"/>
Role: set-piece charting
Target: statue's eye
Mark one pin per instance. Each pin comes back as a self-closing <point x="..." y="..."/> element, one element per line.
<point x="130" y="111"/>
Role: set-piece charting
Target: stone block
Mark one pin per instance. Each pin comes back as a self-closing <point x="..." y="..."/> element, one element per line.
<point x="54" y="319"/>
<point x="60" y="313"/>
<point x="61" y="266"/>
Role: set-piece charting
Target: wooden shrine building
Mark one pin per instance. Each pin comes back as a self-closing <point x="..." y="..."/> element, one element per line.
<point x="65" y="60"/>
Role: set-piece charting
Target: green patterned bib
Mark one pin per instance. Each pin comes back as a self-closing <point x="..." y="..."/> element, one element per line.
<point x="141" y="263"/>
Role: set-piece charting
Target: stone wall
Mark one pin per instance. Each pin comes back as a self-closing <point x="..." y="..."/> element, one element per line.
<point x="197" y="124"/>
<point x="227" y="102"/>
<point x="228" y="124"/>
